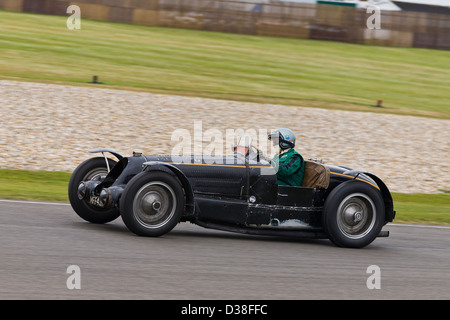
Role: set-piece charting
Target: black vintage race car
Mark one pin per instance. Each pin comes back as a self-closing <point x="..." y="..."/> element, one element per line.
<point x="239" y="193"/>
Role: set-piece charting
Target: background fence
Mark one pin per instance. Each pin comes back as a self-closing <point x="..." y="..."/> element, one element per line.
<point x="282" y="19"/>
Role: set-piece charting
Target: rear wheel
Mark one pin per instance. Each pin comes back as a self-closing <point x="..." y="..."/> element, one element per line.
<point x="152" y="203"/>
<point x="91" y="169"/>
<point x="353" y="214"/>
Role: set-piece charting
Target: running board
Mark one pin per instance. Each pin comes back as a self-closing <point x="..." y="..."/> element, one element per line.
<point x="313" y="234"/>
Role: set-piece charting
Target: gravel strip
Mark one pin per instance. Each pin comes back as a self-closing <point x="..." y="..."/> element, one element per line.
<point x="51" y="127"/>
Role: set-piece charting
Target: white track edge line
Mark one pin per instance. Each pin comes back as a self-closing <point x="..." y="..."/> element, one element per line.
<point x="35" y="202"/>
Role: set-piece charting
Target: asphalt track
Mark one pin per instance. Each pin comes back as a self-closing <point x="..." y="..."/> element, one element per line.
<point x="39" y="241"/>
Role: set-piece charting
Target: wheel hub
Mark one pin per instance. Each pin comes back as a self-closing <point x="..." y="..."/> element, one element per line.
<point x="356" y="215"/>
<point x="154" y="204"/>
<point x="353" y="214"/>
<point x="151" y="203"/>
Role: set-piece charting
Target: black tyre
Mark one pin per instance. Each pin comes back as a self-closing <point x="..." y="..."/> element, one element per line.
<point x="152" y="203"/>
<point x="353" y="214"/>
<point x="88" y="170"/>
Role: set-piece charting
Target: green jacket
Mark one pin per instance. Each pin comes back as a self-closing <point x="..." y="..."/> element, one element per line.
<point x="291" y="168"/>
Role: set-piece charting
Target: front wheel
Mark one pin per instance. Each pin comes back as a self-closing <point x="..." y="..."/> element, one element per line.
<point x="353" y="214"/>
<point x="91" y="169"/>
<point x="152" y="203"/>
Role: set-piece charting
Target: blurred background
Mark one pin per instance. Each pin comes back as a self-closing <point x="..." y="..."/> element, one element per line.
<point x="408" y="23"/>
<point x="372" y="96"/>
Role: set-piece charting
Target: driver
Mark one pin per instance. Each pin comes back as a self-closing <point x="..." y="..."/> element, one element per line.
<point x="291" y="166"/>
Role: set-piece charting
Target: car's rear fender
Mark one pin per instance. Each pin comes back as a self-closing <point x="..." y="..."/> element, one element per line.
<point x="387" y="197"/>
<point x="372" y="180"/>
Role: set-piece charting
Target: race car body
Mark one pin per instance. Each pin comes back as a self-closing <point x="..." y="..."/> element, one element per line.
<point x="237" y="193"/>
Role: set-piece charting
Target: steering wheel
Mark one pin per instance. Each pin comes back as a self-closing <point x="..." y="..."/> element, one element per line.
<point x="259" y="154"/>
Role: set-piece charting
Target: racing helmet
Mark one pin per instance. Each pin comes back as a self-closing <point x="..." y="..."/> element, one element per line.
<point x="286" y="138"/>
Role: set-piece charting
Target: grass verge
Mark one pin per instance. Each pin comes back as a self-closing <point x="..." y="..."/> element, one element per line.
<point x="300" y="72"/>
<point x="34" y="185"/>
<point x="52" y="186"/>
<point x="422" y="208"/>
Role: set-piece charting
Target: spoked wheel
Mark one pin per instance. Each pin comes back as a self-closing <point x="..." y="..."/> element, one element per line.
<point x="91" y="169"/>
<point x="353" y="214"/>
<point x="152" y="203"/>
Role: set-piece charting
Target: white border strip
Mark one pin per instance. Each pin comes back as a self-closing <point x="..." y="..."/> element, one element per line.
<point x="417" y="225"/>
<point x="35" y="202"/>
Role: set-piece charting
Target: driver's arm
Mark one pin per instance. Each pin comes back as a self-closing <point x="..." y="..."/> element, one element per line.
<point x="287" y="166"/>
